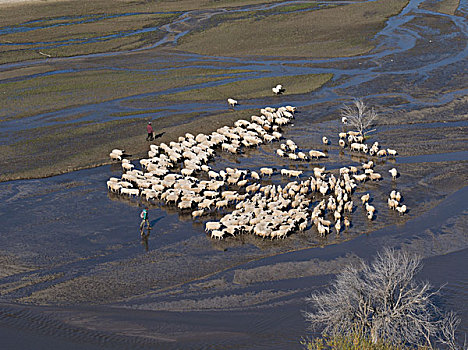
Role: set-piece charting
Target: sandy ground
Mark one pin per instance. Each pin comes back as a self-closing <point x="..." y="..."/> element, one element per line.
<point x="21" y="2"/>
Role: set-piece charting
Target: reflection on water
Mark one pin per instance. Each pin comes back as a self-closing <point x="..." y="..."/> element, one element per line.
<point x="144" y="238"/>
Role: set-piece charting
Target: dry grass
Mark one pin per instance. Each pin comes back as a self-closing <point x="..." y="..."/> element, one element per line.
<point x="354" y="341"/>
<point x="81" y="21"/>
<point x="34" y="96"/>
<point x="78" y="145"/>
<point x="330" y="32"/>
<point x="253" y="88"/>
<point x="97" y="33"/>
<point x="448" y="7"/>
<point x="60" y="149"/>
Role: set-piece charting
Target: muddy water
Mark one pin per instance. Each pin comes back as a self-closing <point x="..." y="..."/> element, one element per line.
<point x="65" y="243"/>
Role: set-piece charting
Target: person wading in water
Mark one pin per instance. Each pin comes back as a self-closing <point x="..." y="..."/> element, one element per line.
<point x="150" y="136"/>
<point x="144" y="220"/>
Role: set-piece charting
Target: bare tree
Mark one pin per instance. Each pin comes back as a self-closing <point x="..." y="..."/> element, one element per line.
<point x="359" y="116"/>
<point x="384" y="302"/>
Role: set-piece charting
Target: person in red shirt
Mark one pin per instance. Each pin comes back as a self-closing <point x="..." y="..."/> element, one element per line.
<point x="149" y="128"/>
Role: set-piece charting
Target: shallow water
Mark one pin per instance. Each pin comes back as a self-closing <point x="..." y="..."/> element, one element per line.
<point x="67" y="240"/>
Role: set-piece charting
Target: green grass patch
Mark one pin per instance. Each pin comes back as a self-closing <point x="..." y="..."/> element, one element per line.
<point x="448" y="7"/>
<point x="53" y="92"/>
<point x="72" y="39"/>
<point x="129" y="114"/>
<point x="138" y="15"/>
<point x="343" y="30"/>
<point x="253" y="88"/>
<point x="57" y="149"/>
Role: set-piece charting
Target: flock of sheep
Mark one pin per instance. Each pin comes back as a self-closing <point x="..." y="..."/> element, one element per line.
<point x="178" y="174"/>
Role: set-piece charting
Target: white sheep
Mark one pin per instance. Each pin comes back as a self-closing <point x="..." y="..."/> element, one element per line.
<point x="353" y="169"/>
<point x="187" y="172"/>
<point x="370" y="208"/>
<point x="212" y="225"/>
<point x="213" y="174"/>
<point x="130" y="191"/>
<point x="150" y="194"/>
<point x="217" y="234"/>
<point x="316" y="154"/>
<point x="375" y="176"/>
<point x="231" y="102"/>
<point x="296" y="173"/>
<point x="382" y="153"/>
<point x="254" y="175"/>
<point x="391" y="152"/>
<point x="323" y="189"/>
<point x="290" y="143"/>
<point x="398" y="196"/>
<point x="127" y="166"/>
<point x="115" y="156"/>
<point x="276" y="135"/>
<point x="113" y="186"/>
<point x="346" y="222"/>
<point x="325" y="140"/>
<point x="252" y="188"/>
<point x="392" y="203"/>
<point x="278" y="89"/>
<point x="242" y="183"/>
<point x="368" y="165"/>
<point x="125" y="184"/>
<point x="302" y="226"/>
<point x="222" y="204"/>
<point x="394" y="173"/>
<point x="185" y="204"/>
<point x="302" y="156"/>
<point x="266" y="171"/>
<point x="365" y="198"/>
<point x="356" y="146"/>
<point x="197" y="213"/>
<point x="338" y="226"/>
<point x="402" y="210"/>
<point x="361" y="177"/>
<point x="348" y="206"/>
<point x="119" y="152"/>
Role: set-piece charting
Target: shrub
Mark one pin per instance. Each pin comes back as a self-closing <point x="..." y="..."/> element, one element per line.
<point x="382" y="302"/>
<point x="359" y="116"/>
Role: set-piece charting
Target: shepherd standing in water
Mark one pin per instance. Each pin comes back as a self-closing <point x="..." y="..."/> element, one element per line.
<point x="150" y="136"/>
<point x="144" y="220"/>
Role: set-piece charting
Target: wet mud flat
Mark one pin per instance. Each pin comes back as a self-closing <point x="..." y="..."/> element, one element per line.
<point x="83" y="246"/>
<point x="74" y="271"/>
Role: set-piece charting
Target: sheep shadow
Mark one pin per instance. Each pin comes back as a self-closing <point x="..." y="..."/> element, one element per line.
<point x="157" y="136"/>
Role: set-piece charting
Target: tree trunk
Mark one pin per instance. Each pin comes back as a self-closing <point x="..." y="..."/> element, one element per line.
<point x="373" y="333"/>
